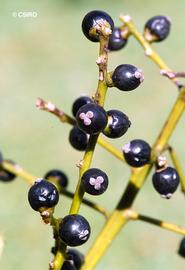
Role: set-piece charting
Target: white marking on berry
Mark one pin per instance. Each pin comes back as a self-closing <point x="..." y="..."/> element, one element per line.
<point x="139" y="75"/>
<point x="96" y="182"/>
<point x="167" y="196"/>
<point x="126" y="148"/>
<point x="161" y="161"/>
<point x="137" y="150"/>
<point x="83" y="235"/>
<point x="86" y="117"/>
<point x="38" y="180"/>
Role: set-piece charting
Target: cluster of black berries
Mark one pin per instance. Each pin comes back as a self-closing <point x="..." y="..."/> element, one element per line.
<point x="92" y="119"/>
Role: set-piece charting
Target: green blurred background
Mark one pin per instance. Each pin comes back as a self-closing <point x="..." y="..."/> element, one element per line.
<point x="49" y="57"/>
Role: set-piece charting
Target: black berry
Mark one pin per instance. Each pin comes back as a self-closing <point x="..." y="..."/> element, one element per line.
<point x="157" y="28"/>
<point x="78" y="139"/>
<point x="59" y="176"/>
<point x="127" y="77"/>
<point x="76" y="257"/>
<point x="91" y="118"/>
<point x="116" y="41"/>
<point x="6" y="176"/>
<point x="68" y="265"/>
<point x="166" y="181"/>
<point x="181" y="250"/>
<point x="79" y="102"/>
<point x="74" y="230"/>
<point x="93" y="22"/>
<point x="118" y="124"/>
<point x="95" y="181"/>
<point x="43" y="194"/>
<point x="137" y="153"/>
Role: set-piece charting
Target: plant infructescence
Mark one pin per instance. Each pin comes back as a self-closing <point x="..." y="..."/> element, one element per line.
<point x="89" y="120"/>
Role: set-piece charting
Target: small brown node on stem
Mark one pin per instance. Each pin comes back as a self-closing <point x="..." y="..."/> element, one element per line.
<point x="161" y="163"/>
<point x="148" y="52"/>
<point x="79" y="164"/>
<point x="40" y="104"/>
<point x="51" y="264"/>
<point x="167" y="73"/>
<point x="126" y="18"/>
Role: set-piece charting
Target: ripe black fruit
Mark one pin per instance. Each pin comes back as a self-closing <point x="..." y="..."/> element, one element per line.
<point x="95" y="181"/>
<point x="166" y="181"/>
<point x="93" y="22"/>
<point x="79" y="102"/>
<point x="118" y="124"/>
<point x="67" y="265"/>
<point x="116" y="41"/>
<point x="137" y="153"/>
<point x="127" y="77"/>
<point x="78" y="139"/>
<point x="157" y="28"/>
<point x="74" y="230"/>
<point x="59" y="176"/>
<point x="76" y="257"/>
<point x="181" y="250"/>
<point x="6" y="176"/>
<point x="91" y="118"/>
<point x="43" y="194"/>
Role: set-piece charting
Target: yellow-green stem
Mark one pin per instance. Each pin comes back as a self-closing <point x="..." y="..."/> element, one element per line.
<point x="178" y="167"/>
<point x="149" y="51"/>
<point x="138" y="176"/>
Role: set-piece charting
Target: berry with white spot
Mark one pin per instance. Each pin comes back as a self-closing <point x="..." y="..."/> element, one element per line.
<point x="95" y="23"/>
<point x="127" y="77"/>
<point x="91" y="118"/>
<point x="118" y="124"/>
<point x="95" y="181"/>
<point x="137" y="153"/>
<point x="157" y="28"/>
<point x="166" y="181"/>
<point x="74" y="230"/>
<point x="43" y="194"/>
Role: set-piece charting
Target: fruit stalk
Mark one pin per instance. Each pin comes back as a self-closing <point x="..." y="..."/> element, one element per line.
<point x="149" y="51"/>
<point x="137" y="179"/>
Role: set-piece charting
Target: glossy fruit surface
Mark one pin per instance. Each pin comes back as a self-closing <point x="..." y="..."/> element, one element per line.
<point x="76" y="257"/>
<point x="118" y="124"/>
<point x="91" y="118"/>
<point x="158" y="27"/>
<point x="79" y="102"/>
<point x="93" y="22"/>
<point x="181" y="250"/>
<point x="166" y="181"/>
<point x="137" y="153"/>
<point x="6" y="176"/>
<point x="74" y="230"/>
<point x="78" y="139"/>
<point x="127" y="77"/>
<point x="116" y="42"/>
<point x="95" y="181"/>
<point x="59" y="176"/>
<point x="43" y="194"/>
